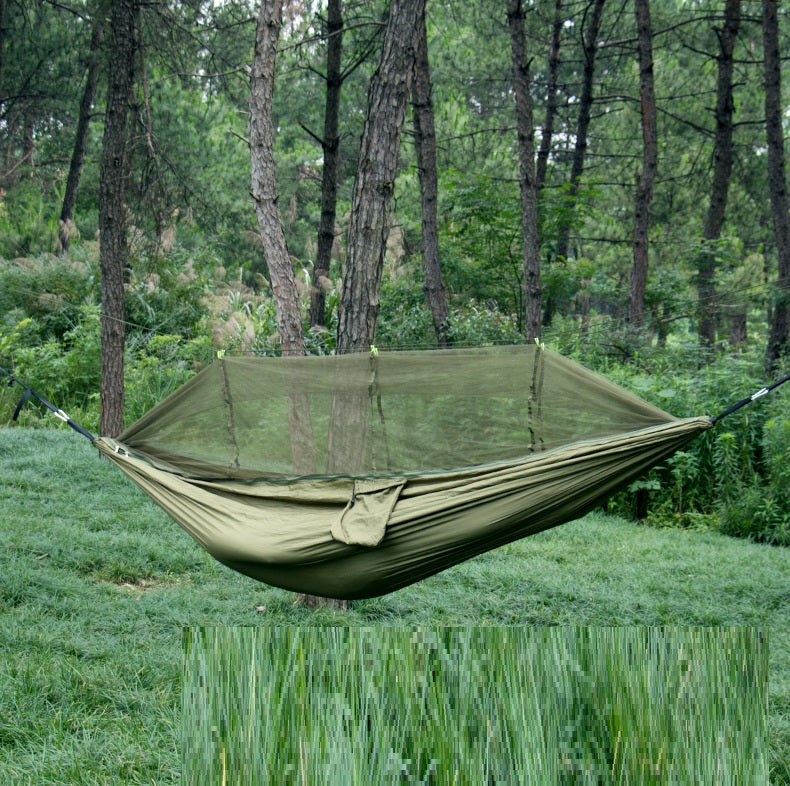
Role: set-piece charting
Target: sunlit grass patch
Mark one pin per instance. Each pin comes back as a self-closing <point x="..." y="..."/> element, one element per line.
<point x="476" y="704"/>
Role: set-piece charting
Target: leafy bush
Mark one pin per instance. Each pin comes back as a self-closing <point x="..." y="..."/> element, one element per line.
<point x="164" y="294"/>
<point x="48" y="289"/>
<point x="757" y="505"/>
<point x="404" y="321"/>
<point x="158" y="366"/>
<point x="476" y="325"/>
<point x="734" y="476"/>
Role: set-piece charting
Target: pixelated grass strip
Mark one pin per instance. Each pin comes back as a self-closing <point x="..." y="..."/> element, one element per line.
<point x="474" y="705"/>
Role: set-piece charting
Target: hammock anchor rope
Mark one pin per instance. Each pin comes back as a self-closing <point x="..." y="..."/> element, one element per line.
<point x="759" y="394"/>
<point x="56" y="411"/>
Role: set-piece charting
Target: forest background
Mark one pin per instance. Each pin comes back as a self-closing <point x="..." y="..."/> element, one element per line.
<point x="656" y="202"/>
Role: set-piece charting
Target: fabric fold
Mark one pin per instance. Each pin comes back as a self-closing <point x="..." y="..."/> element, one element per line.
<point x="364" y="520"/>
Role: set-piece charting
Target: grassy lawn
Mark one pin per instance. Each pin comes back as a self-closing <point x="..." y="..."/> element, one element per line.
<point x="96" y="585"/>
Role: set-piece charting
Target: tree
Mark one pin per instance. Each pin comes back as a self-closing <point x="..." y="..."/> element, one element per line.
<point x="112" y="216"/>
<point x="373" y="188"/>
<point x="66" y="224"/>
<point x="777" y="184"/>
<point x="425" y="145"/>
<point x="722" y="168"/>
<point x="644" y="190"/>
<point x="551" y="95"/>
<point x="264" y="195"/>
<point x="39" y="46"/>
<point x="2" y="43"/>
<point x="527" y="179"/>
<point x="330" y="144"/>
<point x="264" y="189"/>
<point x="590" y="49"/>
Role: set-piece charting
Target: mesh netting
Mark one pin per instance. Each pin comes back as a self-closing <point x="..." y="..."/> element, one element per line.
<point x="390" y="414"/>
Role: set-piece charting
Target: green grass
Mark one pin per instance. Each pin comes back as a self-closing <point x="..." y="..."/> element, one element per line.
<point x="542" y="705"/>
<point x="97" y="584"/>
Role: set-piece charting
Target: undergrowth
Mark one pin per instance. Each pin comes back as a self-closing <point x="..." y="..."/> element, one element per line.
<point x="185" y="307"/>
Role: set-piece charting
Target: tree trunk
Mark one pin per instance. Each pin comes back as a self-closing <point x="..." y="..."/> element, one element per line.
<point x="526" y="162"/>
<point x="367" y="236"/>
<point x="264" y="194"/>
<point x="2" y="46"/>
<point x="551" y="96"/>
<point x="378" y="162"/>
<point x="264" y="189"/>
<point x="644" y="191"/>
<point x="425" y="145"/>
<point x="66" y="225"/>
<point x="112" y="217"/>
<point x="28" y="138"/>
<point x="722" y="169"/>
<point x="590" y="41"/>
<point x="330" y="145"/>
<point x="777" y="183"/>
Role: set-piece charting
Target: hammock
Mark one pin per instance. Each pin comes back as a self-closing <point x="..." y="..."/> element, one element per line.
<point x="353" y="476"/>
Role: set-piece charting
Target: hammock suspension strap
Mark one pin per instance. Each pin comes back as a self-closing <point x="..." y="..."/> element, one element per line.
<point x="57" y="412"/>
<point x="761" y="392"/>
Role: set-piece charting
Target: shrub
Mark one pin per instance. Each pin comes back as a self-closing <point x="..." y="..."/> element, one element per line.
<point x="50" y="290"/>
<point x="757" y="505"/>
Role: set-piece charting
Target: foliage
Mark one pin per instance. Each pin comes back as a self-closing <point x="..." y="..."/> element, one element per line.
<point x="28" y="225"/>
<point x="63" y="364"/>
<point x="733" y="476"/>
<point x="756" y="505"/>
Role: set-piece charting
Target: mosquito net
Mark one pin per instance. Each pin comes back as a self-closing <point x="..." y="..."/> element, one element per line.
<point x="383" y="414"/>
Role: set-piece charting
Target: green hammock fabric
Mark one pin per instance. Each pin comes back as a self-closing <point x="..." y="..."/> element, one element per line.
<point x="353" y="476"/>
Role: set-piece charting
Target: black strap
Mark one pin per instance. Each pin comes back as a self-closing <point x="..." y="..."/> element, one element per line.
<point x="753" y="397"/>
<point x="25" y="398"/>
<point x="59" y="413"/>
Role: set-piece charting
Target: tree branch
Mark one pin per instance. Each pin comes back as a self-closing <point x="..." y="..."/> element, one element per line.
<point x="314" y="136"/>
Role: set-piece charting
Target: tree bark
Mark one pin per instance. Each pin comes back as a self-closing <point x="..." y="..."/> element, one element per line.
<point x="644" y="191"/>
<point x="112" y="217"/>
<point x="264" y="194"/>
<point x="722" y="169"/>
<point x="777" y="184"/>
<point x="378" y="162"/>
<point x="367" y="236"/>
<point x="264" y="189"/>
<point x="590" y="42"/>
<point x="551" y="96"/>
<point x="425" y="145"/>
<point x="66" y="224"/>
<point x="330" y="145"/>
<point x="2" y="46"/>
<point x="527" y="179"/>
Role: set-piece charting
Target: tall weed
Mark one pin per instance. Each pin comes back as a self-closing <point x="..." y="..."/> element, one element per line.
<point x="757" y="505"/>
<point x="474" y="705"/>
